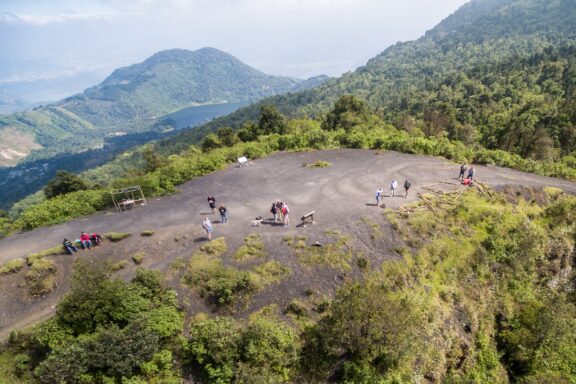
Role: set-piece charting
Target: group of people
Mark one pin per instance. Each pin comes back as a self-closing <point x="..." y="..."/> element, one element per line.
<point x="281" y="212"/>
<point x="86" y="241"/>
<point x="207" y="224"/>
<point x="470" y="177"/>
<point x="393" y="187"/>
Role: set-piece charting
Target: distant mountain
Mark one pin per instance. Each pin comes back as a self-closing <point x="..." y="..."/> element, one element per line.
<point x="131" y="99"/>
<point x="498" y="72"/>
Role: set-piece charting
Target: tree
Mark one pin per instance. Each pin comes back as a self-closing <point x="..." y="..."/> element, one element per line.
<point x="227" y="136"/>
<point x="271" y="121"/>
<point x="211" y="141"/>
<point x="64" y="183"/>
<point x="348" y="112"/>
<point x="152" y="161"/>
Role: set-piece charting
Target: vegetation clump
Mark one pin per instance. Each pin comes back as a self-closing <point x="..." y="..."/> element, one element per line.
<point x="147" y="233"/>
<point x="253" y="248"/>
<point x="318" y="164"/>
<point x="12" y="266"/>
<point x="336" y="253"/>
<point x="138" y="258"/>
<point x="116" y="236"/>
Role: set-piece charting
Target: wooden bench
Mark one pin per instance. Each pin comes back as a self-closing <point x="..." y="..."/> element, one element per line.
<point x="308" y="215"/>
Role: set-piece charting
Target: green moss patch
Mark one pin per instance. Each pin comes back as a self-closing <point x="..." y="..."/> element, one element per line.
<point x="119" y="265"/>
<point x="335" y="253"/>
<point x="375" y="230"/>
<point x="41" y="278"/>
<point x="55" y="250"/>
<point x="318" y="164"/>
<point x="147" y="233"/>
<point x="271" y="272"/>
<point x="12" y="266"/>
<point x="138" y="258"/>
<point x="253" y="248"/>
<point x="116" y="236"/>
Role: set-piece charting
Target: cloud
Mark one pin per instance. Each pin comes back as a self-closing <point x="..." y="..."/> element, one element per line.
<point x="40" y="20"/>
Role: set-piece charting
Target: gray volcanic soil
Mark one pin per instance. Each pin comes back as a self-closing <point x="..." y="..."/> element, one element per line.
<point x="341" y="195"/>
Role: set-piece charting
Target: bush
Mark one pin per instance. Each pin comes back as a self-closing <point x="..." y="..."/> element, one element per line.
<point x="116" y="236"/>
<point x="137" y="258"/>
<point x="12" y="266"/>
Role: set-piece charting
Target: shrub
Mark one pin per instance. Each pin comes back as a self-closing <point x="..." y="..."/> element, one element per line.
<point x="253" y="248"/>
<point x="12" y="266"/>
<point x="147" y="233"/>
<point x="116" y="236"/>
<point x="137" y="258"/>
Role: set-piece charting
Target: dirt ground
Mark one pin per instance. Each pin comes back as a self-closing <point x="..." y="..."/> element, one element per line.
<point x="342" y="195"/>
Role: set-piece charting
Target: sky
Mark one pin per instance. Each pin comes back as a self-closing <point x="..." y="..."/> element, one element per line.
<point x="45" y="43"/>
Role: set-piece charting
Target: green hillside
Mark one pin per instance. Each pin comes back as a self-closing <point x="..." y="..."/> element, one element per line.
<point x="131" y="99"/>
<point x="500" y="73"/>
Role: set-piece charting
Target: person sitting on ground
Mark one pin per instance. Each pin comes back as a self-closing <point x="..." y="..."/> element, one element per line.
<point x="207" y="225"/>
<point x="406" y="188"/>
<point x="69" y="248"/>
<point x="96" y="239"/>
<point x="467" y="182"/>
<point x="462" y="172"/>
<point x="223" y="215"/>
<point x="85" y="240"/>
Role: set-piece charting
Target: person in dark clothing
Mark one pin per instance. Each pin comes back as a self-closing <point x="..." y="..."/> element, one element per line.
<point x="406" y="187"/>
<point x="212" y="203"/>
<point x="96" y="239"/>
<point x="471" y="173"/>
<point x="462" y="172"/>
<point x="274" y="211"/>
<point x="223" y="214"/>
<point x="69" y="248"/>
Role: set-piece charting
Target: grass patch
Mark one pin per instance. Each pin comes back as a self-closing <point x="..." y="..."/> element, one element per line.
<point x="137" y="258"/>
<point x="147" y="233"/>
<point x="375" y="230"/>
<point x="217" y="283"/>
<point x="318" y="164"/>
<point x="336" y="254"/>
<point x="119" y="265"/>
<point x="271" y="272"/>
<point x="55" y="250"/>
<point x="253" y="248"/>
<point x="116" y="236"/>
<point x="14" y="368"/>
<point x="12" y="266"/>
<point x="41" y="278"/>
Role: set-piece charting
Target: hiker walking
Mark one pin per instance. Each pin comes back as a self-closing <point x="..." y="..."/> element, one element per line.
<point x="471" y="173"/>
<point x="379" y="193"/>
<point x="274" y="211"/>
<point x="207" y="225"/>
<point x="393" y="187"/>
<point x="462" y="172"/>
<point x="406" y="188"/>
<point x="223" y="214"/>
<point x="285" y="213"/>
<point x="212" y="203"/>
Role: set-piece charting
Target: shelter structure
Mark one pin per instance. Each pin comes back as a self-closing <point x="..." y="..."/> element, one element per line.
<point x="127" y="198"/>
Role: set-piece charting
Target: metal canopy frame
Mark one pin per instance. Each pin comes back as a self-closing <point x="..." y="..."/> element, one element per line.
<point x="126" y="198"/>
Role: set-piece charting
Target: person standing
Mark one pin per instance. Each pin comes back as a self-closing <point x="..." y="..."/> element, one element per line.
<point x="471" y="173"/>
<point x="223" y="214"/>
<point x="274" y="211"/>
<point x="279" y="206"/>
<point x="406" y="188"/>
<point x="393" y="187"/>
<point x="286" y="214"/>
<point x="212" y="204"/>
<point x="207" y="225"/>
<point x="379" y="192"/>
<point x="462" y="172"/>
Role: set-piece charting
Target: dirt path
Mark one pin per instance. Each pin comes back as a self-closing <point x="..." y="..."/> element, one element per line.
<point x="340" y="194"/>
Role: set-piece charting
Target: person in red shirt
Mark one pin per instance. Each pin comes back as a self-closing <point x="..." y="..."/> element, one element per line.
<point x="85" y="240"/>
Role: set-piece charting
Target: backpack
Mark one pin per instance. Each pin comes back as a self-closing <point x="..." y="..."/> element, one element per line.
<point x="285" y="210"/>
<point x="407" y="184"/>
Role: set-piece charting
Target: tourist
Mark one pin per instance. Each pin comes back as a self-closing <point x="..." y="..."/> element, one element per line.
<point x="85" y="240"/>
<point x="69" y="248"/>
<point x="207" y="225"/>
<point x="223" y="215"/>
<point x="96" y="239"/>
<point x="462" y="172"/>
<point x="406" y="188"/>
<point x="379" y="192"/>
<point x="393" y="187"/>
<point x="471" y="173"/>
<point x="285" y="213"/>
<point x="274" y="211"/>
<point x="212" y="203"/>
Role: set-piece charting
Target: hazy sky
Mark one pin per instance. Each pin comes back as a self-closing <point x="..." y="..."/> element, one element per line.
<point x="43" y="39"/>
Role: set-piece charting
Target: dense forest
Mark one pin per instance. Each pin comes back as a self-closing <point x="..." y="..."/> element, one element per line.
<point x="497" y="73"/>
